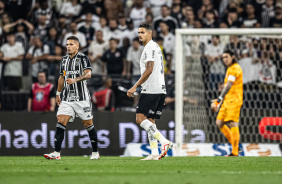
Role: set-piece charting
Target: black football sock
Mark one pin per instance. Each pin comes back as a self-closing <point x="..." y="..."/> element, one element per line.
<point x="59" y="137"/>
<point x="93" y="137"/>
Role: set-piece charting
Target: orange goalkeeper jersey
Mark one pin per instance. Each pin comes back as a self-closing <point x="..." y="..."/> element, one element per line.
<point x="234" y="96"/>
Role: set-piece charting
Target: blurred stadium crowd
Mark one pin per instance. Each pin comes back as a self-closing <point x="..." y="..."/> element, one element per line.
<point x="33" y="38"/>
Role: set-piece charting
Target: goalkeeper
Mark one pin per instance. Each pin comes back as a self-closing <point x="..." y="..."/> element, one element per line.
<point x="230" y="101"/>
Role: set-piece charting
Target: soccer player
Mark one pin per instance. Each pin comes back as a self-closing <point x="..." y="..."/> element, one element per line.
<point x="230" y="101"/>
<point x="75" y="69"/>
<point x="151" y="100"/>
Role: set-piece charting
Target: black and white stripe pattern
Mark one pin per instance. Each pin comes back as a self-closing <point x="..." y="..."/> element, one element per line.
<point x="266" y="14"/>
<point x="73" y="68"/>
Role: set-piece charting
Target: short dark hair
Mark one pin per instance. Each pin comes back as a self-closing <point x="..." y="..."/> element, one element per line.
<point x="146" y="26"/>
<point x="10" y="33"/>
<point x="73" y="38"/>
<point x="231" y="53"/>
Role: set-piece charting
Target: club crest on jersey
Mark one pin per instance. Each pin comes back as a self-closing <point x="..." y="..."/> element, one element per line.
<point x="153" y="53"/>
<point x="117" y="54"/>
<point x="39" y="96"/>
<point x="77" y="62"/>
<point x="145" y="56"/>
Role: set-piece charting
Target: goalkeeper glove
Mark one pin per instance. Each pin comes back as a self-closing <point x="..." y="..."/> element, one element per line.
<point x="215" y="104"/>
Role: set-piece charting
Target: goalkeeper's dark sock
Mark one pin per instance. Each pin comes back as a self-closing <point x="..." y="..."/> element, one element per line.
<point x="235" y="140"/>
<point x="59" y="136"/>
<point x="93" y="137"/>
<point x="227" y="133"/>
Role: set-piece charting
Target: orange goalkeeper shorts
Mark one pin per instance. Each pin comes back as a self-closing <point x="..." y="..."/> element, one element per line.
<point x="229" y="113"/>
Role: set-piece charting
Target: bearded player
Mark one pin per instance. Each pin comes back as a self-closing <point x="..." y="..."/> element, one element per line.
<point x="152" y="98"/>
<point x="230" y="102"/>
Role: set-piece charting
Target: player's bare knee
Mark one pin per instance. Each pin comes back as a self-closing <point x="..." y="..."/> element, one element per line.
<point x="219" y="123"/>
<point x="87" y="123"/>
<point x="140" y="118"/>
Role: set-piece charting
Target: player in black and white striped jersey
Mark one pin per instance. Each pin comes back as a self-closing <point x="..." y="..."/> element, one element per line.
<point x="75" y="69"/>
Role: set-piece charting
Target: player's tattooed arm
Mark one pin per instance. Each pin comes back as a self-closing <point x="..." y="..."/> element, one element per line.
<point x="85" y="76"/>
<point x="226" y="89"/>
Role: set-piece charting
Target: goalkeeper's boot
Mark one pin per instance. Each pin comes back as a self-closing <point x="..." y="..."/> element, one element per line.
<point x="165" y="147"/>
<point x="231" y="155"/>
<point x="53" y="156"/>
<point x="240" y="150"/>
<point x="95" y="156"/>
<point x="152" y="157"/>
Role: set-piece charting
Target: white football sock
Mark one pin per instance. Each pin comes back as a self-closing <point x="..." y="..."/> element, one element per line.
<point x="150" y="128"/>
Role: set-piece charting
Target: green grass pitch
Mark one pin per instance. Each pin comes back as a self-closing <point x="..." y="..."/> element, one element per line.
<point x="130" y="170"/>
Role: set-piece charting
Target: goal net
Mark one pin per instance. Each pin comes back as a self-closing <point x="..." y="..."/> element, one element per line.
<point x="200" y="76"/>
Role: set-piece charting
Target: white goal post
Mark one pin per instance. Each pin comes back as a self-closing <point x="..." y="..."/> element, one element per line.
<point x="179" y="68"/>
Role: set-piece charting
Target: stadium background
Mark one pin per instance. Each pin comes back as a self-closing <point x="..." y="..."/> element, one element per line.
<point x="39" y="17"/>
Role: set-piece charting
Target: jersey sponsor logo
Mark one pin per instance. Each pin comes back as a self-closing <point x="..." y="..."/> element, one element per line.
<point x="64" y="73"/>
<point x="72" y="72"/>
<point x="86" y="109"/>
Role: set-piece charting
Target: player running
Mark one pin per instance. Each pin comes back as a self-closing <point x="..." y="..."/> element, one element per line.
<point x="75" y="69"/>
<point x="151" y="100"/>
<point x="230" y="100"/>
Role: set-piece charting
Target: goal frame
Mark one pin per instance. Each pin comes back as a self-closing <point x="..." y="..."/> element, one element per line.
<point x="179" y="67"/>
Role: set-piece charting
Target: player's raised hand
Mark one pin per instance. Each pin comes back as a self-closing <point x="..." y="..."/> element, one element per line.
<point x="130" y="92"/>
<point x="70" y="81"/>
<point x="58" y="100"/>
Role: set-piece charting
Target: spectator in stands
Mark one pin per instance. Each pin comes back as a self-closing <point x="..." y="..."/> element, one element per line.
<point x="133" y="64"/>
<point x="188" y="20"/>
<point x="276" y="21"/>
<point x="2" y="8"/>
<point x="12" y="54"/>
<point x="232" y="20"/>
<point x="138" y="13"/>
<point x="210" y="21"/>
<point x="125" y="46"/>
<point x="206" y="6"/>
<point x="23" y="30"/>
<point x="176" y="11"/>
<point x="114" y="60"/>
<point x="71" y="10"/>
<point x="104" y="28"/>
<point x="157" y="5"/>
<point x="52" y="42"/>
<point x="6" y="20"/>
<point x="213" y="54"/>
<point x="131" y="32"/>
<point x="149" y="19"/>
<point x="104" y="98"/>
<point x="267" y="13"/>
<point x="165" y="16"/>
<point x="114" y="32"/>
<point x="168" y="43"/>
<point x="113" y="8"/>
<point x="62" y="28"/>
<point x="42" y="8"/>
<point x="87" y="29"/>
<point x="89" y="6"/>
<point x="122" y="26"/>
<point x="79" y="35"/>
<point x="95" y="52"/>
<point x="236" y="46"/>
<point x="38" y="55"/>
<point x="251" y="20"/>
<point x="42" y="95"/>
<point x="42" y="28"/>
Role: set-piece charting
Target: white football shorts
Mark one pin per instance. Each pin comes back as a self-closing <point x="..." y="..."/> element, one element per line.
<point x="81" y="109"/>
